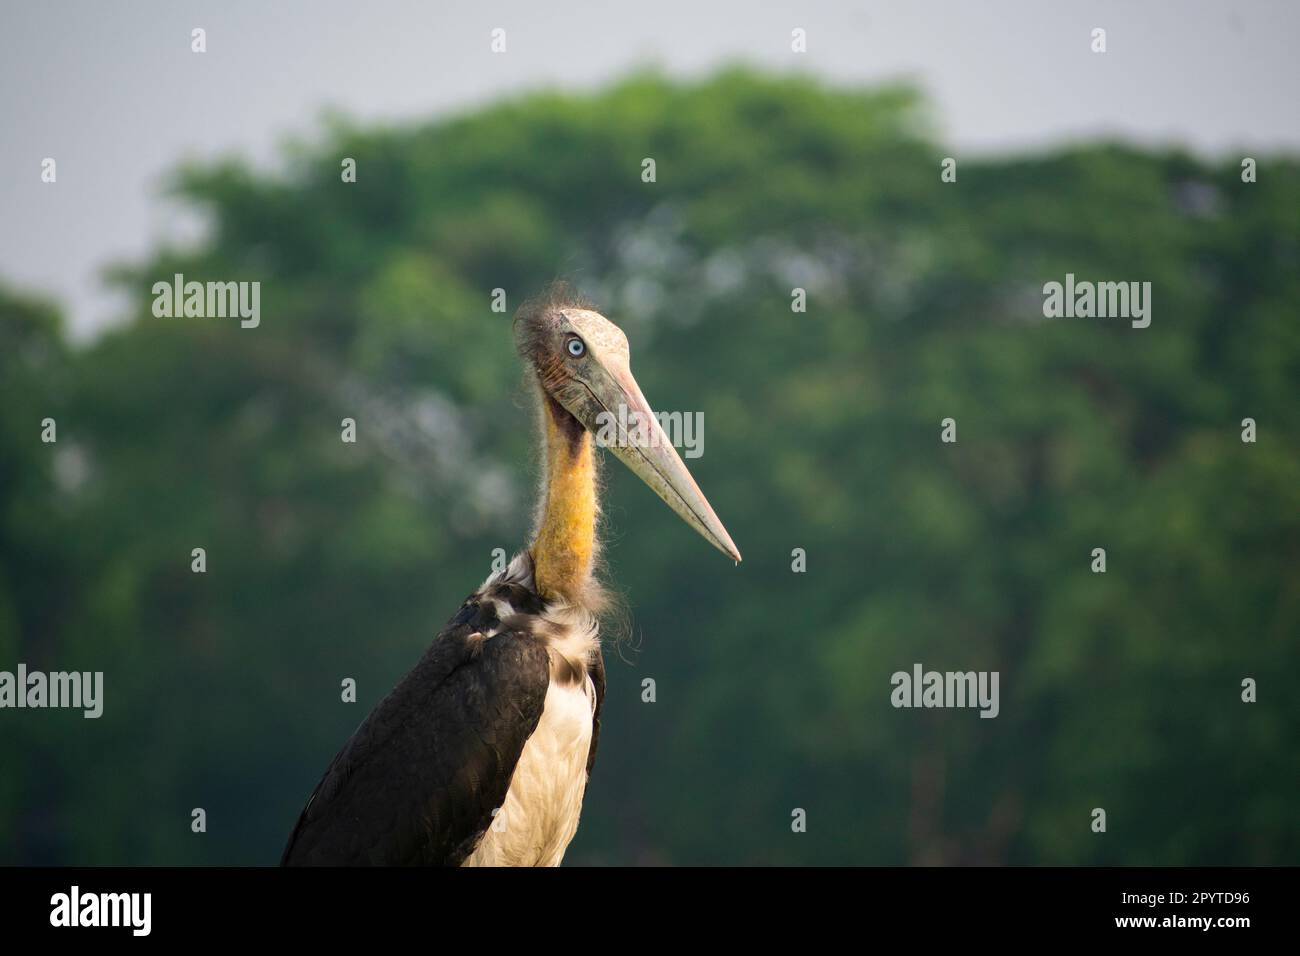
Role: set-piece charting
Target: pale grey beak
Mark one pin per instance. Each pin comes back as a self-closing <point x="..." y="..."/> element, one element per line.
<point x="638" y="440"/>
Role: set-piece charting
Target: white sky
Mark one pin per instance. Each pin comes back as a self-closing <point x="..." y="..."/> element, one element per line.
<point x="113" y="93"/>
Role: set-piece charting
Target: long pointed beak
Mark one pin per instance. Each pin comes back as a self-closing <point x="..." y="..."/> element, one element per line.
<point x="639" y="441"/>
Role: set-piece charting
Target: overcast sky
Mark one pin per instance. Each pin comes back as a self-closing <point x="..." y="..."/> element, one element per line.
<point x="113" y="93"/>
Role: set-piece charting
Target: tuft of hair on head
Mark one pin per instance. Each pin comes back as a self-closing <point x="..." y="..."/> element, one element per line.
<point x="531" y="315"/>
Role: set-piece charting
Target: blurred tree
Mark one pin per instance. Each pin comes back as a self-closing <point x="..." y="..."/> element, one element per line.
<point x="328" y="560"/>
<point x="35" y="578"/>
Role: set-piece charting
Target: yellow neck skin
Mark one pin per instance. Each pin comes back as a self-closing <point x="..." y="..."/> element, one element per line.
<point x="565" y="546"/>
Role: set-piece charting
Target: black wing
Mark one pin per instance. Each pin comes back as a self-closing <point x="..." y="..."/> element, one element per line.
<point x="418" y="781"/>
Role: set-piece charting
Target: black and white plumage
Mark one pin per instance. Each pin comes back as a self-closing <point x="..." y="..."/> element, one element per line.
<point x="481" y="754"/>
<point x="458" y="764"/>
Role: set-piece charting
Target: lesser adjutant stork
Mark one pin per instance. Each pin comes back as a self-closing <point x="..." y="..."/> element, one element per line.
<point x="480" y="755"/>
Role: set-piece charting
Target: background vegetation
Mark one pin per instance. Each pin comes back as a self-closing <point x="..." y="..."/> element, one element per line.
<point x="328" y="560"/>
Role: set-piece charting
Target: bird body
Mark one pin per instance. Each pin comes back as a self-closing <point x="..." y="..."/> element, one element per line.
<point x="540" y="813"/>
<point x="480" y="755"/>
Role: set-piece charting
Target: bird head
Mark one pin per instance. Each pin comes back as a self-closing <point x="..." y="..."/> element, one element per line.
<point x="583" y="367"/>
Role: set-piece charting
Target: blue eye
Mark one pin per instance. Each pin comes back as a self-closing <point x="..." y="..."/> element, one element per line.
<point x="577" y="348"/>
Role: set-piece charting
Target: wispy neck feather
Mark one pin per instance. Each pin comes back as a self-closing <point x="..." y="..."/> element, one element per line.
<point x="564" y="549"/>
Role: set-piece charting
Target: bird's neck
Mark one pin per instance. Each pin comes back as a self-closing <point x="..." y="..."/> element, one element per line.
<point x="564" y="549"/>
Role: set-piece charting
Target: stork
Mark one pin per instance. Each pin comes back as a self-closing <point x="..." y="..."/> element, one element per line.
<point x="481" y="753"/>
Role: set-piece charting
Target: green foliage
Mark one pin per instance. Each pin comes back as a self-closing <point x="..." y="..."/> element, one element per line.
<point x="328" y="560"/>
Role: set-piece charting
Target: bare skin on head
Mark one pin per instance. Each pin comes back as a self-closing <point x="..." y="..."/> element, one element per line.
<point x="582" y="367"/>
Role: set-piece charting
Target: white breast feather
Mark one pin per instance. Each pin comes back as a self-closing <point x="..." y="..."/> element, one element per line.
<point x="539" y="817"/>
